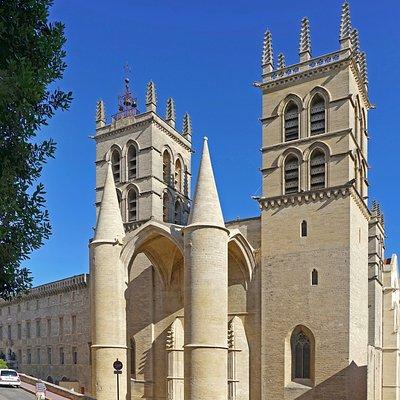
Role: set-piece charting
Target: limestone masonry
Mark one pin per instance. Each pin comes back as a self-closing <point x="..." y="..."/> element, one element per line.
<point x="296" y="303"/>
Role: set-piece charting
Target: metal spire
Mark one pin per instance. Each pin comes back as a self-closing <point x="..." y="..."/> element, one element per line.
<point x="187" y="127"/>
<point x="345" y="26"/>
<point x="100" y="114"/>
<point x="268" y="54"/>
<point x="170" y="116"/>
<point x="151" y="97"/>
<point x="305" y="40"/>
<point x="281" y="61"/>
<point x="127" y="103"/>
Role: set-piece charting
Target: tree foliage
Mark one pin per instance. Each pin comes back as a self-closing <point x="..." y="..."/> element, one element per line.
<point x="31" y="60"/>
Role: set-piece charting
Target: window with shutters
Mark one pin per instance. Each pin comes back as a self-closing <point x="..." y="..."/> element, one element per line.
<point x="317" y="170"/>
<point x="132" y="162"/>
<point x="178" y="175"/>
<point x="317" y="115"/>
<point x="116" y="165"/>
<point x="301" y="354"/>
<point x="132" y="205"/>
<point x="291" y="122"/>
<point x="291" y="174"/>
<point x="167" y="167"/>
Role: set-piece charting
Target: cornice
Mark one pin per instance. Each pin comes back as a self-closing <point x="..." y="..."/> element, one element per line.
<point x="174" y="136"/>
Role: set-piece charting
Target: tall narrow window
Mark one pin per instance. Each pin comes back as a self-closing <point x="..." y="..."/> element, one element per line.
<point x="167" y="167"/>
<point x="132" y="205"/>
<point x="132" y="162"/>
<point x="116" y="165"/>
<point x="291" y="122"/>
<point x="49" y="361"/>
<point x="178" y="175"/>
<point x="133" y="358"/>
<point x="317" y="170"/>
<point x="166" y="210"/>
<point x="301" y="354"/>
<point x="74" y="355"/>
<point x="38" y="326"/>
<point x="314" y="277"/>
<point x="291" y="174"/>
<point x="38" y="358"/>
<point x="178" y="213"/>
<point x="304" y="230"/>
<point x="62" y="358"/>
<point x="317" y="115"/>
<point x="73" y="323"/>
<point x="28" y="356"/>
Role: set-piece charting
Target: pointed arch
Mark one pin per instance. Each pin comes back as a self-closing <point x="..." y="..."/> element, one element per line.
<point x="178" y="181"/>
<point x="317" y="115"/>
<point x="292" y="121"/>
<point x="132" y="160"/>
<point x="317" y="169"/>
<point x="167" y="209"/>
<point x="116" y="164"/>
<point x="291" y="174"/>
<point x="178" y="212"/>
<point x="132" y="204"/>
<point x="167" y="161"/>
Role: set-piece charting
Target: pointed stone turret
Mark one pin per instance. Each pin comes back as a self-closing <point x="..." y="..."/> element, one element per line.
<point x="305" y="40"/>
<point x="205" y="288"/>
<point x="345" y="27"/>
<point x="109" y="225"/>
<point x="187" y="127"/>
<point x="355" y="44"/>
<point x="107" y="299"/>
<point x="281" y="61"/>
<point x="170" y="115"/>
<point x="206" y="208"/>
<point x="100" y="114"/>
<point x="151" y="97"/>
<point x="268" y="54"/>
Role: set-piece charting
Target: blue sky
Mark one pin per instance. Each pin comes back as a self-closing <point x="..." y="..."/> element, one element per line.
<point x="206" y="56"/>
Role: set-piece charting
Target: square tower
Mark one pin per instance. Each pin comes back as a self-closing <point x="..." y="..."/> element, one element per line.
<point x="151" y="160"/>
<point x="314" y="266"/>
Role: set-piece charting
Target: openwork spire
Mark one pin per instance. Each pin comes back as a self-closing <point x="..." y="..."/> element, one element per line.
<point x="151" y="97"/>
<point x="363" y="68"/>
<point x="187" y="127"/>
<point x="281" y="61"/>
<point x="305" y="40"/>
<point x="355" y="44"/>
<point x="100" y="114"/>
<point x="268" y="54"/>
<point x="345" y="25"/>
<point x="170" y="115"/>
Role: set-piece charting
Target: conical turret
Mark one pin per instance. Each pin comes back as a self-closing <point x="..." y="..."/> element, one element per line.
<point x="206" y="208"/>
<point x="305" y="40"/>
<point x="109" y="225"/>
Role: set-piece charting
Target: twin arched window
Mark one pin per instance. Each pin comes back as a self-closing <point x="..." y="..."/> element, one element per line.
<point x="291" y="174"/>
<point x="131" y="163"/>
<point x="116" y="165"/>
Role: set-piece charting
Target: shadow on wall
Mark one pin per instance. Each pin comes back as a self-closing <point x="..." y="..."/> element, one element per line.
<point x="348" y="384"/>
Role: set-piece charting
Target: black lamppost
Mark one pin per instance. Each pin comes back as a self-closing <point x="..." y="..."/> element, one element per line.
<point x="117" y="371"/>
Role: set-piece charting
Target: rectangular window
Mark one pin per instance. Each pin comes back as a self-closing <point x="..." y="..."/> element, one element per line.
<point x="73" y="324"/>
<point x="61" y="325"/>
<point x="62" y="360"/>
<point x="38" y="333"/>
<point x="48" y="327"/>
<point x="74" y="355"/>
<point x="28" y="356"/>
<point x="49" y="361"/>
<point x="19" y="332"/>
<point x="28" y="329"/>
<point x="38" y="361"/>
<point x="9" y="332"/>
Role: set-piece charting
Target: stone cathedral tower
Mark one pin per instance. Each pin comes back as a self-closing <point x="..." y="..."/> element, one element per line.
<point x="314" y="220"/>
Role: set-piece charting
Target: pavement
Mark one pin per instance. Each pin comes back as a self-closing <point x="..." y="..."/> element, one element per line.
<point x="7" y="393"/>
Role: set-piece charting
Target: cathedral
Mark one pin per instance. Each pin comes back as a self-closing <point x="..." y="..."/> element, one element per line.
<point x="298" y="302"/>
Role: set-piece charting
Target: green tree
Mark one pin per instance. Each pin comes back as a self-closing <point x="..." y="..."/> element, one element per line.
<point x="3" y="364"/>
<point x="31" y="60"/>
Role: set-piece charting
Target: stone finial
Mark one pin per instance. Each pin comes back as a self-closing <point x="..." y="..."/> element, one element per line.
<point x="355" y="44"/>
<point x="363" y="68"/>
<point x="170" y="115"/>
<point x="281" y="61"/>
<point x="187" y="127"/>
<point x="345" y="26"/>
<point x="305" y="40"/>
<point x="151" y="97"/>
<point x="206" y="208"/>
<point x="109" y="225"/>
<point x="100" y="114"/>
<point x="267" y="54"/>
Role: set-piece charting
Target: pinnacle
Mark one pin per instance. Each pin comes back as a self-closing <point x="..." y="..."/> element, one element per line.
<point x="151" y="97"/>
<point x="305" y="37"/>
<point x="267" y="55"/>
<point x="206" y="208"/>
<point x="109" y="221"/>
<point x="281" y="61"/>
<point x="187" y="126"/>
<point x="170" y="112"/>
<point x="345" y="23"/>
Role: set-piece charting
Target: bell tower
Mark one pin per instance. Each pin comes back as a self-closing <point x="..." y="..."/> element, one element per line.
<point x="315" y="219"/>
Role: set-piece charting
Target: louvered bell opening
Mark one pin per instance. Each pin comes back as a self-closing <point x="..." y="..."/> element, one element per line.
<point x="317" y="171"/>
<point x="132" y="163"/>
<point x="317" y="118"/>
<point x="291" y="123"/>
<point x="291" y="176"/>
<point x="132" y="206"/>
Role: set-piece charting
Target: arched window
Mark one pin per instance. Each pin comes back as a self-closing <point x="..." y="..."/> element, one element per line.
<point x="116" y="165"/>
<point x="304" y="230"/>
<point x="314" y="277"/>
<point x="166" y="210"/>
<point x="291" y="174"/>
<point x="132" y="205"/>
<point x="301" y="354"/>
<point x="167" y="167"/>
<point x="133" y="358"/>
<point x="178" y="175"/>
<point x="317" y="115"/>
<point x="132" y="162"/>
<point x="178" y="212"/>
<point x="317" y="170"/>
<point x="291" y="121"/>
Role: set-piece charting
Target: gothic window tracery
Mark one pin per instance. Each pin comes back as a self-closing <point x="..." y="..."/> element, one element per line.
<point x="301" y="355"/>
<point x="291" y="122"/>
<point x="291" y="174"/>
<point x="317" y="115"/>
<point x="317" y="170"/>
